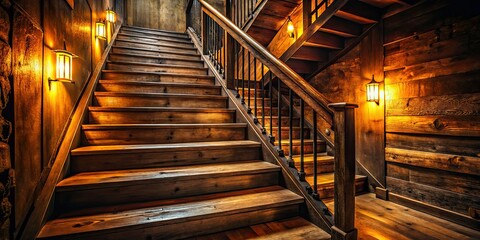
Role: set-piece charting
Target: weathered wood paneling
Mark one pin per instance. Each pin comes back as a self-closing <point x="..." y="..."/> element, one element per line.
<point x="160" y="14"/>
<point x="432" y="104"/>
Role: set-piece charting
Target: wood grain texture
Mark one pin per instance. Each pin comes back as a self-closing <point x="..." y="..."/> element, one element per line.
<point x="166" y="15"/>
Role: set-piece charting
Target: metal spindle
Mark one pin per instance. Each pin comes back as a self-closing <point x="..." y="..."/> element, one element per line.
<point x="243" y="76"/>
<point x="264" y="131"/>
<point x="290" y="129"/>
<point x="301" y="174"/>
<point x="249" y="110"/>
<point x="237" y="74"/>
<point x="272" y="139"/>
<point x="315" y="189"/>
<point x="316" y="9"/>
<point x="279" y="100"/>
<point x="255" y="89"/>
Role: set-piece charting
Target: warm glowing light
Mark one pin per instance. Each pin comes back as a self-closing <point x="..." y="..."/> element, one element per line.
<point x="373" y="94"/>
<point x="290" y="28"/>
<point x="64" y="65"/>
<point x="101" y="31"/>
<point x="110" y="16"/>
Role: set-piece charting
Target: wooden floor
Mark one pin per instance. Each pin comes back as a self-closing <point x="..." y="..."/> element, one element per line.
<point x="375" y="219"/>
<point x="379" y="219"/>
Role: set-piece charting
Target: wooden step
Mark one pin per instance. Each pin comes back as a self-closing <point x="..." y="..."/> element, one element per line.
<point x="120" y="99"/>
<point x="157" y="77"/>
<point x="140" y="185"/>
<point x="325" y="184"/>
<point x="285" y="121"/>
<point x="359" y="12"/>
<point x="117" y="134"/>
<point x="285" y="132"/>
<point x="152" y="67"/>
<point x="308" y="146"/>
<point x="157" y="87"/>
<point x="200" y="215"/>
<point x="159" y="115"/>
<point x="274" y="111"/>
<point x="342" y="27"/>
<point x="127" y="57"/>
<point x="325" y="163"/>
<point x="326" y="40"/>
<point x="152" y="32"/>
<point x="151" y="39"/>
<point x="155" y="53"/>
<point x="182" y="48"/>
<point x="157" y="44"/>
<point x="285" y="229"/>
<point x="119" y="157"/>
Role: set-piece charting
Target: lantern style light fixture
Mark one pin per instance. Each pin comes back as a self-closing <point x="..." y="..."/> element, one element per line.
<point x="290" y="28"/>
<point x="373" y="94"/>
<point x="110" y="16"/>
<point x="100" y="30"/>
<point x="63" y="67"/>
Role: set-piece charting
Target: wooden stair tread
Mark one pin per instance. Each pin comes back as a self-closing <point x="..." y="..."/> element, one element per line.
<point x="89" y="180"/>
<point x="298" y="141"/>
<point x="154" y="38"/>
<point x="139" y="94"/>
<point x="170" y="214"/>
<point x="169" y="126"/>
<point x="326" y="179"/>
<point x="166" y="84"/>
<point x="108" y="149"/>
<point x="159" y="44"/>
<point x="157" y="65"/>
<point x="305" y="231"/>
<point x="156" y="50"/>
<point x="154" y="30"/>
<point x="157" y="57"/>
<point x="308" y="158"/>
<point x="160" y="109"/>
<point x="160" y="73"/>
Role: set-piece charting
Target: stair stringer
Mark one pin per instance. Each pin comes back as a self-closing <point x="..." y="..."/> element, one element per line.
<point x="314" y="210"/>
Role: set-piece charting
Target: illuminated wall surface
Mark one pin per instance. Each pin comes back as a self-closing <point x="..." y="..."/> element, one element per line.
<point x="29" y="56"/>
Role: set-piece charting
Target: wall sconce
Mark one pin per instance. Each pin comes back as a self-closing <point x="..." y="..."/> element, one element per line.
<point x="100" y="30"/>
<point x="64" y="69"/>
<point x="290" y="28"/>
<point x="373" y="94"/>
<point x="110" y="16"/>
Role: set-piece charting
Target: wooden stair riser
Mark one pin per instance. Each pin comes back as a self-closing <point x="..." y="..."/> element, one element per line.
<point x="149" y="44"/>
<point x="142" y="87"/>
<point x="252" y="93"/>
<point x="322" y="166"/>
<point x="285" y="121"/>
<point x="151" y="77"/>
<point x="155" y="68"/>
<point x="159" y="101"/>
<point x="151" y="53"/>
<point x="144" y="32"/>
<point x="160" y="117"/>
<point x="180" y="49"/>
<point x="152" y="190"/>
<point x="308" y="147"/>
<point x="154" y="60"/>
<point x="274" y="111"/>
<point x="151" y="39"/>
<point x="328" y="191"/>
<point x="154" y="158"/>
<point x="164" y="134"/>
<point x="285" y="133"/>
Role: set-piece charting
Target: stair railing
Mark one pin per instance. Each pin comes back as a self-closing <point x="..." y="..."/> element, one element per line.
<point x="243" y="11"/>
<point x="245" y="65"/>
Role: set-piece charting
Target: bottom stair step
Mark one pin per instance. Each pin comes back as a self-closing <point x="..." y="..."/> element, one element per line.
<point x="325" y="184"/>
<point x="285" y="229"/>
<point x="202" y="215"/>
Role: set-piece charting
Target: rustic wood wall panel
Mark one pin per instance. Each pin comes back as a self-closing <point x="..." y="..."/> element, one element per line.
<point x="160" y="14"/>
<point x="433" y="104"/>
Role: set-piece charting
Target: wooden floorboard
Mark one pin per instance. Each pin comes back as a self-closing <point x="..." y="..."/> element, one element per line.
<point x="379" y="219"/>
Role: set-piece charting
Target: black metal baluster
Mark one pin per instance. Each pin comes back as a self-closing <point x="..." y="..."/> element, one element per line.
<point x="315" y="189"/>
<point x="290" y="129"/>
<point x="301" y="174"/>
<point x="249" y="110"/>
<point x="264" y="130"/>
<point x="316" y="9"/>
<point x="271" y="137"/>
<point x="243" y="76"/>
<point x="279" y="102"/>
<point x="255" y="119"/>
<point x="237" y="69"/>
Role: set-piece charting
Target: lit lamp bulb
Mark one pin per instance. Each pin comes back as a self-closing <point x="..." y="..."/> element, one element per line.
<point x="372" y="91"/>
<point x="110" y="16"/>
<point x="290" y="28"/>
<point x="100" y="32"/>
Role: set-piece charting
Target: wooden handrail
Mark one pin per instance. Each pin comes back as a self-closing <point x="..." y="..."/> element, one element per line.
<point x="317" y="101"/>
<point x="58" y="169"/>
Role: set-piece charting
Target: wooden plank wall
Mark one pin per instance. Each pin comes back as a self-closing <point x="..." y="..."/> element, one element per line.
<point x="432" y="87"/>
<point x="160" y="14"/>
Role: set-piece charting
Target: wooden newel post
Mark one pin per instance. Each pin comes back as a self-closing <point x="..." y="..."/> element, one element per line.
<point x="344" y="197"/>
<point x="229" y="50"/>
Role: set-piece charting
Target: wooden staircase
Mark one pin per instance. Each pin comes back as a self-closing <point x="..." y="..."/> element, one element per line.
<point x="163" y="156"/>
